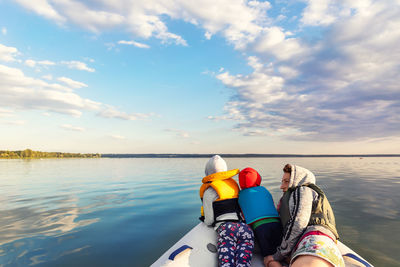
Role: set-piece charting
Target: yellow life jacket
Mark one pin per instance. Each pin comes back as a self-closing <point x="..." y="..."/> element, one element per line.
<point x="222" y="183"/>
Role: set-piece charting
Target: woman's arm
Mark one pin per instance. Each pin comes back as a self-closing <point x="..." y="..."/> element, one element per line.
<point x="300" y="207"/>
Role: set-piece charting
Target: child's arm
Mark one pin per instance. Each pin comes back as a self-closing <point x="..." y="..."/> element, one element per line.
<point x="210" y="195"/>
<point x="270" y="262"/>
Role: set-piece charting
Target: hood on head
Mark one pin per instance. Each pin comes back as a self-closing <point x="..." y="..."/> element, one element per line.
<point x="249" y="177"/>
<point x="300" y="176"/>
<point x="215" y="164"/>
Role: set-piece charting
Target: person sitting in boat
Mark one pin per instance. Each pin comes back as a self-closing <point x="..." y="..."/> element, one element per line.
<point x="220" y="209"/>
<point x="260" y="213"/>
<point x="309" y="235"/>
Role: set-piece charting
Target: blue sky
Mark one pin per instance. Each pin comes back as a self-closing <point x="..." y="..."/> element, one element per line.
<point x="178" y="76"/>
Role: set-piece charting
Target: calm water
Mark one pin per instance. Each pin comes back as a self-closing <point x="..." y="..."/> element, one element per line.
<point x="127" y="212"/>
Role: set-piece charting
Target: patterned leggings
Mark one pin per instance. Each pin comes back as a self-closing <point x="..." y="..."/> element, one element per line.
<point x="235" y="244"/>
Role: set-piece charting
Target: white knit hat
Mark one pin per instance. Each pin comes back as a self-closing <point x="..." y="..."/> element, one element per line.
<point x="215" y="164"/>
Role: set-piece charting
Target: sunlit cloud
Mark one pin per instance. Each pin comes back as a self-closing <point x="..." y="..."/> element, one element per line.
<point x="330" y="73"/>
<point x="27" y="93"/>
<point x="14" y="122"/>
<point x="78" y="65"/>
<point x="43" y="8"/>
<point x="117" y="137"/>
<point x="137" y="44"/>
<point x="91" y="60"/>
<point x="48" y="77"/>
<point x="178" y="133"/>
<point x="111" y="112"/>
<point x="238" y="21"/>
<point x="8" y="53"/>
<point x="4" y="30"/>
<point x="6" y="113"/>
<point x="72" y="128"/>
<point x="71" y="83"/>
<point x="32" y="63"/>
<point x="20" y="91"/>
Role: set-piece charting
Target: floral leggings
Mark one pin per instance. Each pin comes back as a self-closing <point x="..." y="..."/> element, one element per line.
<point x="235" y="244"/>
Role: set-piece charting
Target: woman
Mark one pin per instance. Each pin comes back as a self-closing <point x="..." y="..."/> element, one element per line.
<point x="310" y="235"/>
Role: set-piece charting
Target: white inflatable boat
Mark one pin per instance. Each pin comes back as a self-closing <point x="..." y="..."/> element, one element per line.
<point x="198" y="249"/>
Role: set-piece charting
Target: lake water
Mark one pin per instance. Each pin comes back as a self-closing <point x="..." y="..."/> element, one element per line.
<point x="127" y="212"/>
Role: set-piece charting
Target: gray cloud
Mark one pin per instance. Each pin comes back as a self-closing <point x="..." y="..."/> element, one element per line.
<point x="332" y="77"/>
<point x="343" y="86"/>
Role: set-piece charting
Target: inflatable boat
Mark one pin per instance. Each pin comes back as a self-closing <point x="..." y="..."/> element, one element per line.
<point x="198" y="249"/>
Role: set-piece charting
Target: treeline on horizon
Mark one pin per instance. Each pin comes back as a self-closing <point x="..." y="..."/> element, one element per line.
<point x="31" y="154"/>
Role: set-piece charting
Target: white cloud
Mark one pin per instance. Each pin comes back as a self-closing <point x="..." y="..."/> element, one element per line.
<point x="43" y="8"/>
<point x="91" y="60"/>
<point x="46" y="63"/>
<point x="260" y="87"/>
<point x="111" y="112"/>
<point x="15" y="122"/>
<point x="238" y="21"/>
<point x="48" y="77"/>
<point x="273" y="41"/>
<point x="78" y="65"/>
<point x="4" y="30"/>
<point x="72" y="128"/>
<point x="117" y="136"/>
<point x="137" y="44"/>
<point x="8" y="53"/>
<point x="109" y="46"/>
<point x="178" y="133"/>
<point x="20" y="91"/>
<point x="71" y="83"/>
<point x="320" y="12"/>
<point x="32" y="63"/>
<point x="332" y="76"/>
<point x="6" y="113"/>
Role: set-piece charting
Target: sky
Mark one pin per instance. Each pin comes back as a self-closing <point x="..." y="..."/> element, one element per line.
<point x="202" y="76"/>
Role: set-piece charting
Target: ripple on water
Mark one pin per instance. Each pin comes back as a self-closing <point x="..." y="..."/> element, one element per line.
<point x="110" y="211"/>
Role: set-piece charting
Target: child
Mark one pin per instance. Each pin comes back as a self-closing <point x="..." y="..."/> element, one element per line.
<point x="260" y="213"/>
<point x="220" y="209"/>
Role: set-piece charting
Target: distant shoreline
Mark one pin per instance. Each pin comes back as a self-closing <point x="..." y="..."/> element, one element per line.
<point x="150" y="155"/>
<point x="31" y="154"/>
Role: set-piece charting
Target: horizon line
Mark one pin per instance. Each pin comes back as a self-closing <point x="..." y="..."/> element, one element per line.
<point x="232" y="155"/>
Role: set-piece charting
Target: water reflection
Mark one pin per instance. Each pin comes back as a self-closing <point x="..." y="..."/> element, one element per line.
<point x="108" y="212"/>
<point x="28" y="221"/>
<point x="76" y="250"/>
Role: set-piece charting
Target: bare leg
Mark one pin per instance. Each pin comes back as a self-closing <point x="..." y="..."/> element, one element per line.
<point x="310" y="261"/>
